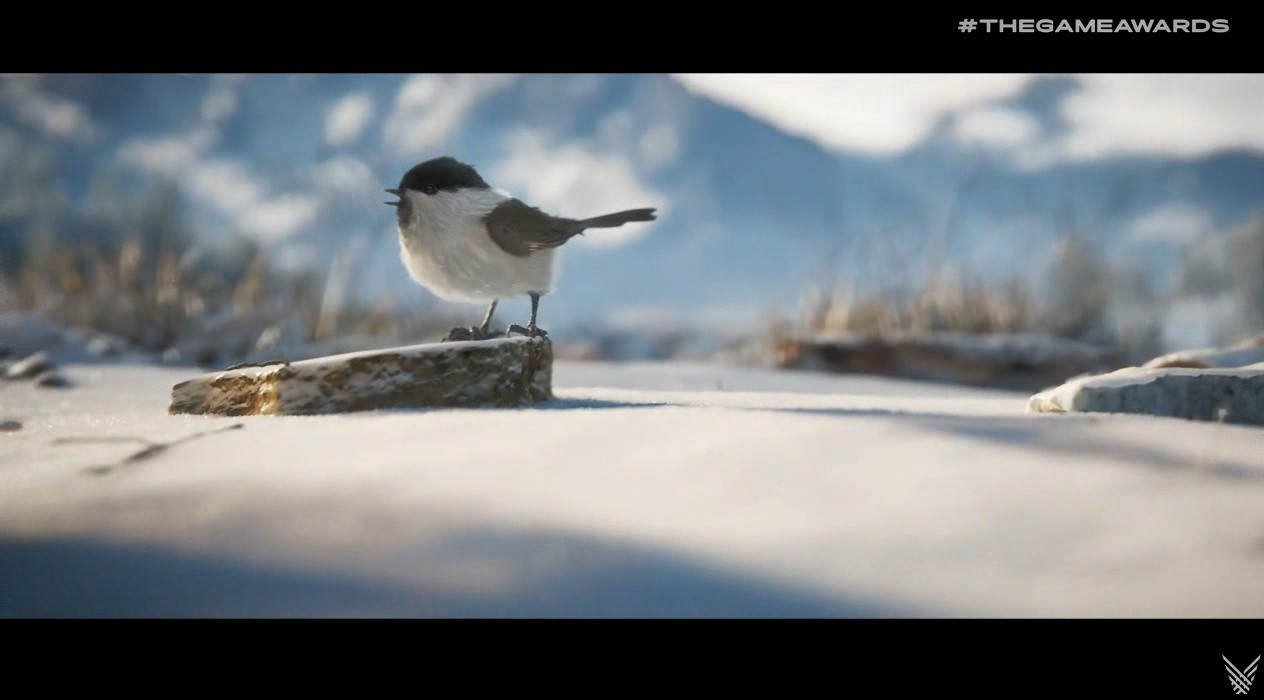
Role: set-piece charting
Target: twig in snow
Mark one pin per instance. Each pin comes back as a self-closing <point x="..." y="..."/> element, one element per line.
<point x="151" y="449"/>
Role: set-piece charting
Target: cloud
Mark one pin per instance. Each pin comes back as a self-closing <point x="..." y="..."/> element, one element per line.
<point x="228" y="185"/>
<point x="1171" y="223"/>
<point x="223" y="99"/>
<point x="655" y="144"/>
<point x="232" y="189"/>
<point x="658" y="145"/>
<point x="279" y="217"/>
<point x="55" y="116"/>
<point x="1175" y="115"/>
<point x="874" y="114"/>
<point x="167" y="155"/>
<point x="617" y="129"/>
<point x="995" y="126"/>
<point x="578" y="180"/>
<point x="430" y="108"/>
<point x="1104" y="116"/>
<point x="347" y="118"/>
<point x="345" y="174"/>
<point x="172" y="154"/>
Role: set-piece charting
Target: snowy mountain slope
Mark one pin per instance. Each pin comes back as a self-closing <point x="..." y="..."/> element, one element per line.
<point x="645" y="490"/>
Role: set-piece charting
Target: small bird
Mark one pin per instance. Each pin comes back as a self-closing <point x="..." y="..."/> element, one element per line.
<point x="468" y="242"/>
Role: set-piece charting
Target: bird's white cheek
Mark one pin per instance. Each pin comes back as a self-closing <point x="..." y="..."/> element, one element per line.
<point x="418" y="209"/>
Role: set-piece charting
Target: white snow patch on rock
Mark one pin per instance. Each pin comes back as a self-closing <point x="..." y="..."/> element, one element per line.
<point x="1224" y="395"/>
<point x="1247" y="352"/>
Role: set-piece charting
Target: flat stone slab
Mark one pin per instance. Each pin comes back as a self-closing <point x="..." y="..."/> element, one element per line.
<point x="1225" y="395"/>
<point x="503" y="372"/>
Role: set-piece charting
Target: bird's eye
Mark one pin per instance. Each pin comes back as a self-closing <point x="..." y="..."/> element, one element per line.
<point x="429" y="189"/>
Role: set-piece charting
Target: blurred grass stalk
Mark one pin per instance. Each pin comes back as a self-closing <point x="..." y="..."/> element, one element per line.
<point x="1079" y="297"/>
<point x="940" y="305"/>
<point x="138" y="274"/>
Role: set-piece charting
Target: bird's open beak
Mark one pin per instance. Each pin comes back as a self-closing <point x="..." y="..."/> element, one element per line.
<point x="394" y="192"/>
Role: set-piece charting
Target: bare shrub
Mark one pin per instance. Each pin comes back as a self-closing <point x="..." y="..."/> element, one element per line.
<point x="136" y="272"/>
<point x="969" y="307"/>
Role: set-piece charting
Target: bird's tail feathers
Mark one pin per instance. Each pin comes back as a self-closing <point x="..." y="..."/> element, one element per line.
<point x="619" y="218"/>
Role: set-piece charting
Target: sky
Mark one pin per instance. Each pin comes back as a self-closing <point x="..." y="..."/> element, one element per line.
<point x="880" y="115"/>
<point x="1110" y="115"/>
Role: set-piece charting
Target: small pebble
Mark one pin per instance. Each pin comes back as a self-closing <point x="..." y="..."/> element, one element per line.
<point x="52" y="380"/>
<point x="9" y="426"/>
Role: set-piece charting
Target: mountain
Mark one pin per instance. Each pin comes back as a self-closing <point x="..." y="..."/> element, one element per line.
<point x="750" y="214"/>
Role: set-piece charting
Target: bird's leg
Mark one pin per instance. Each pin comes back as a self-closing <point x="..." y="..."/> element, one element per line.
<point x="479" y="332"/>
<point x="531" y="331"/>
<point x="487" y="319"/>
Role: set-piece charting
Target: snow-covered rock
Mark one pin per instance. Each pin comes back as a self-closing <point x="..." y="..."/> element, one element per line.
<point x="29" y="366"/>
<point x="1225" y="395"/>
<point x="1011" y="361"/>
<point x="1247" y="352"/>
<point x="500" y="372"/>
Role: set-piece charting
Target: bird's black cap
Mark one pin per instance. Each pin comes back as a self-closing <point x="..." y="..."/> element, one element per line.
<point x="445" y="173"/>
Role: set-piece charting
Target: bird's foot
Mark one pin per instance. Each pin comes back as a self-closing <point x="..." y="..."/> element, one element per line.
<point x="531" y="331"/>
<point x="269" y="363"/>
<point x="471" y="333"/>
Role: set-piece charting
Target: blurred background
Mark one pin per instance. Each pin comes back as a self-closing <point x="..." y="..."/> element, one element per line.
<point x="1051" y="224"/>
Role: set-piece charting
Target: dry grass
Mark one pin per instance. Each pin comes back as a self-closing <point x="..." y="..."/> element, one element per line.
<point x="1070" y="303"/>
<point x="1077" y="296"/>
<point x="141" y="278"/>
<point x="939" y="306"/>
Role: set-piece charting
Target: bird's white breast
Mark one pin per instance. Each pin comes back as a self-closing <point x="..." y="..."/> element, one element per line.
<point x="446" y="248"/>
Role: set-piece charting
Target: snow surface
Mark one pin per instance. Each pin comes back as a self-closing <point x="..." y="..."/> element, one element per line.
<point x="1248" y="352"/>
<point x="644" y="490"/>
<point x="1130" y="376"/>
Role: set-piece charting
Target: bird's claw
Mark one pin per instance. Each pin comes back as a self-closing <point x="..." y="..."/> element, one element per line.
<point x="471" y="333"/>
<point x="269" y="363"/>
<point x="529" y="331"/>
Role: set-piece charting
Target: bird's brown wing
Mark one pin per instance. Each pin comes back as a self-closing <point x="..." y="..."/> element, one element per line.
<point x="521" y="230"/>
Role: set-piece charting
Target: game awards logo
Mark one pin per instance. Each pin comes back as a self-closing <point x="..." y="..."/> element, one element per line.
<point x="1241" y="680"/>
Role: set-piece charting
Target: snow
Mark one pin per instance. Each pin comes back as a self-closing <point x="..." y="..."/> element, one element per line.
<point x="644" y="490"/>
<point x="1231" y="395"/>
<point x="1131" y="376"/>
<point x="1248" y="352"/>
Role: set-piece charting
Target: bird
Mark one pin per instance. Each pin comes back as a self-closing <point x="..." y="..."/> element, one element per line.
<point x="468" y="242"/>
